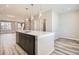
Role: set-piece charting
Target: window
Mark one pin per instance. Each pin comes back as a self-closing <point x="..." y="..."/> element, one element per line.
<point x="5" y="26"/>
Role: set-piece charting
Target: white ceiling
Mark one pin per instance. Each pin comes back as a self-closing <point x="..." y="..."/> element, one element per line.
<point x="19" y="10"/>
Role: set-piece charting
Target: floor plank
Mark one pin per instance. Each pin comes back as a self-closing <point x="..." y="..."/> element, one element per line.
<point x="65" y="46"/>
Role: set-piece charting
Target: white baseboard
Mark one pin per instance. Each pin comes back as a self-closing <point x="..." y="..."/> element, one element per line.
<point x="70" y="38"/>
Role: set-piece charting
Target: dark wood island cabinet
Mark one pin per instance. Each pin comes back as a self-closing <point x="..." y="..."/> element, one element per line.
<point x="35" y="42"/>
<point x="27" y="42"/>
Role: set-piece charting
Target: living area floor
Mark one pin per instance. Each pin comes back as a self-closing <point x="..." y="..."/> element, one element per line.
<point x="8" y="45"/>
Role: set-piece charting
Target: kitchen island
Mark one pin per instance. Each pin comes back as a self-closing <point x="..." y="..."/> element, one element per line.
<point x="36" y="42"/>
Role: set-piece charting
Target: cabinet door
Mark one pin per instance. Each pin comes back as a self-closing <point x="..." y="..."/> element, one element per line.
<point x="29" y="44"/>
<point x="17" y="37"/>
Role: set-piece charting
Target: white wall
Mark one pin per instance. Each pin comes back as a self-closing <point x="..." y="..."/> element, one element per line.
<point x="38" y="22"/>
<point x="52" y="22"/>
<point x="69" y="25"/>
<point x="55" y="23"/>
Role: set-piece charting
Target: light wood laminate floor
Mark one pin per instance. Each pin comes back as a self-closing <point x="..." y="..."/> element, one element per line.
<point x="8" y="45"/>
<point x="63" y="46"/>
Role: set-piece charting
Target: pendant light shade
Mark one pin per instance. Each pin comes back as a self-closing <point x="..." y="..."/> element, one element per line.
<point x="40" y="14"/>
<point x="32" y="17"/>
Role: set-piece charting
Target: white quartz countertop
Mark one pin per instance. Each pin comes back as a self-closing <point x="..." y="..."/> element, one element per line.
<point x="35" y="33"/>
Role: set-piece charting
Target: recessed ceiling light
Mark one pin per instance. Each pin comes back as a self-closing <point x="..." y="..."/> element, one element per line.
<point x="7" y="5"/>
<point x="69" y="9"/>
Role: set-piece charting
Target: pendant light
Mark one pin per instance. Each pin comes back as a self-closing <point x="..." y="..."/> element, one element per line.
<point x="31" y="16"/>
<point x="40" y="13"/>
